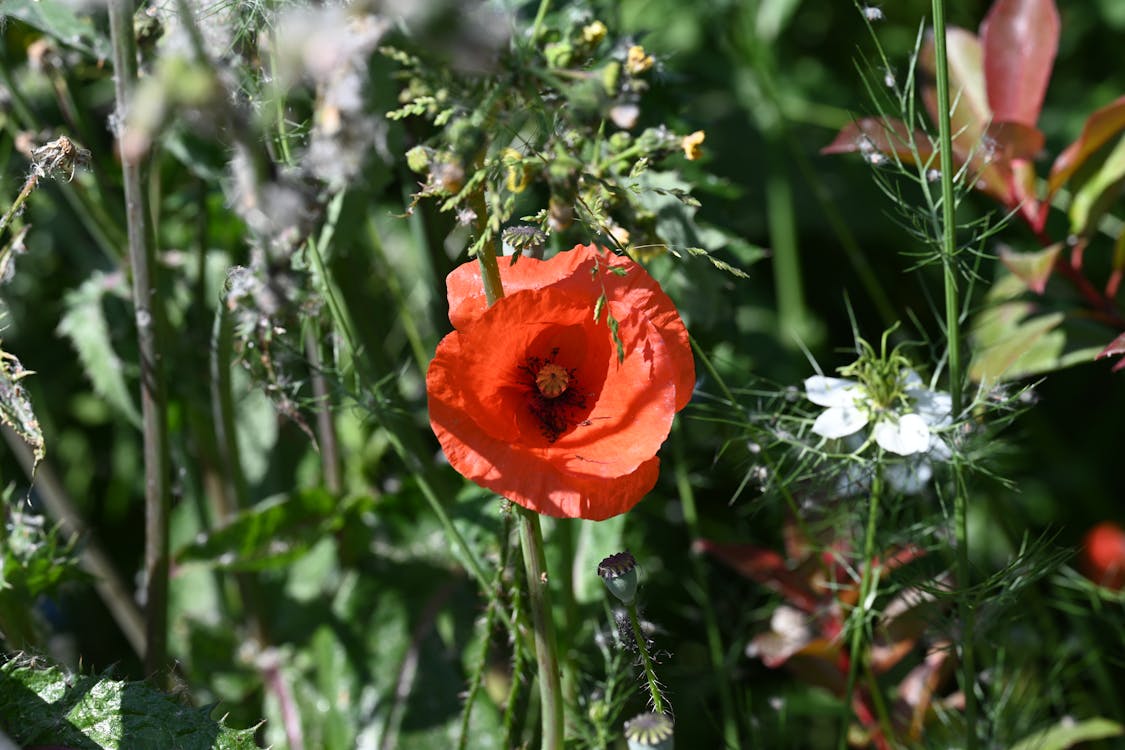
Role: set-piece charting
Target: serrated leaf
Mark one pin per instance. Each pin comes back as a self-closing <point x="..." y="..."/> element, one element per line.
<point x="1068" y="733"/>
<point x="269" y="535"/>
<point x="1019" y="39"/>
<point x="15" y="405"/>
<point x="84" y="323"/>
<point x="45" y="705"/>
<point x="57" y="19"/>
<point x="1032" y="268"/>
<point x="1100" y="127"/>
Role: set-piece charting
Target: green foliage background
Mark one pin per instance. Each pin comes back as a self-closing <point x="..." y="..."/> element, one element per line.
<point x="360" y="604"/>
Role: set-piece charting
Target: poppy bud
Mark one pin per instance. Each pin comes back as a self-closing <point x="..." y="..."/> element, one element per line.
<point x="1103" y="555"/>
<point x="649" y="731"/>
<point x="620" y="575"/>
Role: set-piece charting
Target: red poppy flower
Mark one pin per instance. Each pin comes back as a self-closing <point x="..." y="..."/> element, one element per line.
<point x="529" y="397"/>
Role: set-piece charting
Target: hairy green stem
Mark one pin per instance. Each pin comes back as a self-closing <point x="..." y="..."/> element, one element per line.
<point x="148" y="317"/>
<point x="550" y="686"/>
<point x="953" y="343"/>
<point x="858" y="618"/>
<point x="646" y="660"/>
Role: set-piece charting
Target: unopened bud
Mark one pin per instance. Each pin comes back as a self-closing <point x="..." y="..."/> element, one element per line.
<point x="620" y="575"/>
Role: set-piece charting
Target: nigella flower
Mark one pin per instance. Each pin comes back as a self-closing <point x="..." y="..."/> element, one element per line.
<point x="559" y="395"/>
<point x="885" y="394"/>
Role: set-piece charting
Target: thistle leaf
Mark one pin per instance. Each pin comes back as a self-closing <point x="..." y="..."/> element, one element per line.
<point x="15" y="405"/>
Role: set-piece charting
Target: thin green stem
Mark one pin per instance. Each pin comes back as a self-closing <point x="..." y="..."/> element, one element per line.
<point x="858" y="619"/>
<point x="550" y="686"/>
<point x="27" y="189"/>
<point x="646" y="660"/>
<point x="540" y="14"/>
<point x="953" y="343"/>
<point x="149" y="322"/>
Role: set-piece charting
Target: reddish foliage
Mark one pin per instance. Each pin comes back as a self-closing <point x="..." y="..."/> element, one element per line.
<point x="1103" y="555"/>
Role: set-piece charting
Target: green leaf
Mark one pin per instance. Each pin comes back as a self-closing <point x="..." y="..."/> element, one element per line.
<point x="15" y="405"/>
<point x="271" y="534"/>
<point x="42" y="704"/>
<point x="1032" y="268"/>
<point x="58" y="19"/>
<point x="1067" y="734"/>
<point x="85" y="324"/>
<point x="1013" y="338"/>
<point x="596" y="541"/>
<point x="1098" y="192"/>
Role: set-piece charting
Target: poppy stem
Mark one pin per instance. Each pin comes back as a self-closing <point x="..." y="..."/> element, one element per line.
<point x="550" y="687"/>
<point x="646" y="660"/>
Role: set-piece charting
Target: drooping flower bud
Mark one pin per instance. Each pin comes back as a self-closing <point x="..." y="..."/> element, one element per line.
<point x="650" y="731"/>
<point x="620" y="575"/>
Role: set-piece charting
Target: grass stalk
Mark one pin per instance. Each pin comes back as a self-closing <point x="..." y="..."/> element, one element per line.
<point x="148" y="317"/>
<point x="953" y="343"/>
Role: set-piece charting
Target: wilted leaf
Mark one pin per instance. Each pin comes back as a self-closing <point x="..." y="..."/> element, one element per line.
<point x="85" y="324"/>
<point x="1032" y="268"/>
<point x="15" y="405"/>
<point x="1068" y="733"/>
<point x="1020" y="39"/>
<point x="1100" y="127"/>
<point x="1098" y="192"/>
<point x="44" y="705"/>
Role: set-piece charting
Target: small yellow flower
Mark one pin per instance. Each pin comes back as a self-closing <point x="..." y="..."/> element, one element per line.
<point x="592" y="33"/>
<point x="636" y="61"/>
<point x="693" y="145"/>
<point x="517" y="170"/>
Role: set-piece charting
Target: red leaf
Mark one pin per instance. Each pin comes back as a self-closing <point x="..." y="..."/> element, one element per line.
<point x="764" y="566"/>
<point x="885" y="136"/>
<point x="1033" y="269"/>
<point x="1020" y="39"/>
<point x="1102" y="125"/>
<point x="1115" y="348"/>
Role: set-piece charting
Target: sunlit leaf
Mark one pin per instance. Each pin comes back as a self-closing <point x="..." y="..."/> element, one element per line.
<point x="58" y="19"/>
<point x="1032" y="268"/>
<point x="1098" y="192"/>
<point x="269" y="535"/>
<point x="967" y="96"/>
<point x="1020" y="39"/>
<point x="1012" y="338"/>
<point x="1100" y="127"/>
<point x="1068" y="733"/>
<point x="57" y="708"/>
<point x="84" y="323"/>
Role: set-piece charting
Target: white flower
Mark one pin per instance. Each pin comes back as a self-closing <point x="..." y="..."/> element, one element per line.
<point x="905" y="431"/>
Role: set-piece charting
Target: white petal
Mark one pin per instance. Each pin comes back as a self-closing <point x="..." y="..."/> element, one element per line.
<point x="905" y="436"/>
<point x="824" y="391"/>
<point x="839" y="421"/>
<point x="912" y="380"/>
<point x="934" y="406"/>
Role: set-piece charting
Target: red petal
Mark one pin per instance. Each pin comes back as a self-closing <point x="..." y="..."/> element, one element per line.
<point x="574" y="271"/>
<point x="479" y="404"/>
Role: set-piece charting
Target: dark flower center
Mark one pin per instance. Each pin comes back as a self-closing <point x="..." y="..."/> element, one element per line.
<point x="553" y="398"/>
